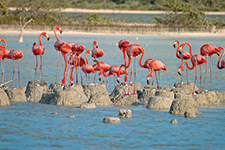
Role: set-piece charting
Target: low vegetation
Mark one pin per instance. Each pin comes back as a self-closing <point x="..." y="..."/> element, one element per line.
<point x="180" y="13"/>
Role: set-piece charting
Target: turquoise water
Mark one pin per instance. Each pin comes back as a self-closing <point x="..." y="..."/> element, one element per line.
<point x="33" y="126"/>
<point x="160" y="48"/>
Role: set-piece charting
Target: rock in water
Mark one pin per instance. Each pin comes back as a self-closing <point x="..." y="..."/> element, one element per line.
<point x="4" y="100"/>
<point x="35" y="89"/>
<point x="125" y="113"/>
<point x="126" y="101"/>
<point x="111" y="120"/>
<point x="16" y="94"/>
<point x="101" y="100"/>
<point x="88" y="106"/>
<point x="92" y="89"/>
<point x="159" y="103"/>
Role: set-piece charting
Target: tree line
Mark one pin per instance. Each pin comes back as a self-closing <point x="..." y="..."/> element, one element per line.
<point x="180" y="13"/>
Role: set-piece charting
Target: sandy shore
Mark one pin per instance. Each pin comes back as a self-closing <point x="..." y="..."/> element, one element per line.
<point x="156" y="34"/>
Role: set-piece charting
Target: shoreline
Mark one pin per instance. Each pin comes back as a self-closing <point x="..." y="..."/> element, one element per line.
<point x="155" y="34"/>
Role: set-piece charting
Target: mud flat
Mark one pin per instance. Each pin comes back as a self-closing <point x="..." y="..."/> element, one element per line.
<point x="176" y="99"/>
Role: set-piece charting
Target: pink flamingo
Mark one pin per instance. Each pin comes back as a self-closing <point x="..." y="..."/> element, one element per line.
<point x="87" y="68"/>
<point x="123" y="44"/>
<point x="66" y="49"/>
<point x="208" y="50"/>
<point x="4" y="53"/>
<point x="223" y="61"/>
<point x="77" y="50"/>
<point x="195" y="60"/>
<point x="57" y="46"/>
<point x="114" y="70"/>
<point x="152" y="65"/>
<point x="183" y="55"/>
<point x="16" y="54"/>
<point x="132" y="50"/>
<point x="74" y="60"/>
<point x="96" y="53"/>
<point x="38" y="49"/>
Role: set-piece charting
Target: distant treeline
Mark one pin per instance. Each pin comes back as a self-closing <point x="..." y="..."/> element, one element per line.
<point x="204" y="5"/>
<point x="180" y="13"/>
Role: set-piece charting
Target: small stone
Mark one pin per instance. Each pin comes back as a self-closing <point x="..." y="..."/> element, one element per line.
<point x="125" y="113"/>
<point x="72" y="116"/>
<point x="111" y="120"/>
<point x="88" y="106"/>
<point x="55" y="113"/>
<point x="174" y="121"/>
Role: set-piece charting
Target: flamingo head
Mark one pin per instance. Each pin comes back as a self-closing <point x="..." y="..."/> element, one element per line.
<point x="218" y="51"/>
<point x="118" y="80"/>
<point x="179" y="69"/>
<point x="46" y="35"/>
<point x="89" y="52"/>
<point x="2" y="40"/>
<point x="34" y="44"/>
<point x="148" y="80"/>
<point x="58" y="28"/>
<point x="175" y="43"/>
<point x="123" y="43"/>
<point x="95" y="44"/>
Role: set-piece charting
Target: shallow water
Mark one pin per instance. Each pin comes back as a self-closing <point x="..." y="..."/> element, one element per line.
<point x="33" y="126"/>
<point x="160" y="48"/>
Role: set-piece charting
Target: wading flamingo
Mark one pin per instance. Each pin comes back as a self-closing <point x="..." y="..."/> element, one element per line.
<point x="38" y="49"/>
<point x="132" y="50"/>
<point x="74" y="62"/>
<point x="208" y="50"/>
<point x="66" y="49"/>
<point x="4" y="53"/>
<point x="16" y="54"/>
<point x="77" y="50"/>
<point x="96" y="53"/>
<point x="183" y="55"/>
<point x="123" y="44"/>
<point x="223" y="61"/>
<point x="195" y="60"/>
<point x="86" y="68"/>
<point x="114" y="70"/>
<point x="57" y="46"/>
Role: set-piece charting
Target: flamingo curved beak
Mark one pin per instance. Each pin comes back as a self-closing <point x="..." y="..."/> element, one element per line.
<point x="60" y="32"/>
<point x="118" y="80"/>
<point x="174" y="45"/>
<point x="48" y="38"/>
<point x="218" y="54"/>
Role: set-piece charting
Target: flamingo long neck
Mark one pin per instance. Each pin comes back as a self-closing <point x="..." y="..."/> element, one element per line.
<point x="218" y="63"/>
<point x="190" y="48"/>
<point x="177" y="48"/>
<point x="57" y="38"/>
<point x="86" y="57"/>
<point x="40" y="39"/>
<point x="190" y="68"/>
<point x="142" y="55"/>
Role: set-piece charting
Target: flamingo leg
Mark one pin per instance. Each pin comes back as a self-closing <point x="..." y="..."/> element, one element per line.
<point x="86" y="78"/>
<point x="89" y="78"/>
<point x="205" y="73"/>
<point x="135" y="74"/>
<point x="152" y="79"/>
<point x="156" y="80"/>
<point x="77" y="75"/>
<point x="201" y="89"/>
<point x="211" y="73"/>
<point x="195" y="80"/>
<point x="94" y="77"/>
<point x="187" y="75"/>
<point x="13" y="74"/>
<point x="67" y="78"/>
<point x="19" y="73"/>
<point x="57" y="66"/>
<point x="71" y="75"/>
<point x="181" y="82"/>
<point x="107" y="83"/>
<point x="64" y="73"/>
<point x="41" y="67"/>
<point x="159" y="81"/>
<point x="131" y="72"/>
<point x="3" y="66"/>
<point x="81" y="75"/>
<point x="36" y="65"/>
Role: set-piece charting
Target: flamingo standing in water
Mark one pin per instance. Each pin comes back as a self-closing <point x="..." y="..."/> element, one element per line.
<point x="87" y="68"/>
<point x="208" y="50"/>
<point x="101" y="67"/>
<point x="183" y="55"/>
<point x="96" y="53"/>
<point x="38" y="49"/>
<point x="4" y="53"/>
<point x="66" y="49"/>
<point x="153" y="65"/>
<point x="123" y="44"/>
<point x="223" y="61"/>
<point x="16" y="54"/>
<point x="132" y="50"/>
<point x="77" y="50"/>
<point x="57" y="46"/>
<point x="195" y="60"/>
<point x="114" y="70"/>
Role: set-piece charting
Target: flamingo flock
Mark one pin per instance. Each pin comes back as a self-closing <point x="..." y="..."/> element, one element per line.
<point x="71" y="53"/>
